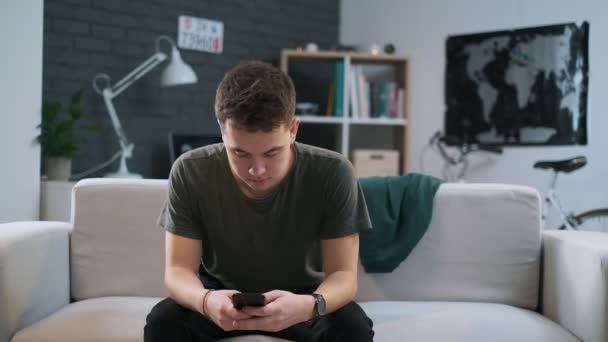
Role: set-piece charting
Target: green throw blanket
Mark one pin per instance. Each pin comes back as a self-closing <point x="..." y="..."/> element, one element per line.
<point x="400" y="209"/>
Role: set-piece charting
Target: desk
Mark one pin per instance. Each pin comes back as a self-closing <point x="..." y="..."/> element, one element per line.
<point x="56" y="200"/>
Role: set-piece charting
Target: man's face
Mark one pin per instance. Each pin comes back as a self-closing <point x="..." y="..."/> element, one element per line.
<point x="260" y="161"/>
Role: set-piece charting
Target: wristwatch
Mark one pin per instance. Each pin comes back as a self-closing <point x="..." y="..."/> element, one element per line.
<point x="319" y="309"/>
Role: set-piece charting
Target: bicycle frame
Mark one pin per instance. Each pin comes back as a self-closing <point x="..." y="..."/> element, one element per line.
<point x="553" y="201"/>
<point x="458" y="159"/>
<point x="450" y="161"/>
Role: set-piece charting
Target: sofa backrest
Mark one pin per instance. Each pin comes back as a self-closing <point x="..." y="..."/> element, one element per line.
<point x="483" y="244"/>
<point x="117" y="249"/>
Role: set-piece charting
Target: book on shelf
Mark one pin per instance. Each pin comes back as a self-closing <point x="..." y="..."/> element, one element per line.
<point x="339" y="91"/>
<point x="363" y="94"/>
<point x="359" y="89"/>
<point x="374" y="99"/>
<point x="331" y="93"/>
<point x="355" y="102"/>
<point x="401" y="103"/>
<point x="384" y="100"/>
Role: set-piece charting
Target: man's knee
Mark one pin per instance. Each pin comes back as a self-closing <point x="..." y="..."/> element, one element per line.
<point x="350" y="323"/>
<point x="166" y="318"/>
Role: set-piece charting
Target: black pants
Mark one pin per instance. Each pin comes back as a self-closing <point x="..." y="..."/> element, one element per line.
<point x="169" y="321"/>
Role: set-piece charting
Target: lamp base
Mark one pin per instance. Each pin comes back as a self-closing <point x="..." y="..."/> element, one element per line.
<point x="123" y="171"/>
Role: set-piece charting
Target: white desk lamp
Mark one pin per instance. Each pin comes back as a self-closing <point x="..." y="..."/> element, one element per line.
<point x="176" y="73"/>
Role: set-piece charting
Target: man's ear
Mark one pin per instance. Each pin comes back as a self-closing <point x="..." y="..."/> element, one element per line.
<point x="293" y="130"/>
<point x="221" y="127"/>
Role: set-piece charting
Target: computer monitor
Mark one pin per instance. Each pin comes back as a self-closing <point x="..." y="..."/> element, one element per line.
<point x="180" y="143"/>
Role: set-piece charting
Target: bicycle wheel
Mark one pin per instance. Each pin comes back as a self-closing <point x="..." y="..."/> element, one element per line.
<point x="593" y="220"/>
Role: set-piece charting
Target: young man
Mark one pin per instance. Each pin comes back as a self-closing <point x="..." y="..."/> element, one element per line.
<point x="261" y="213"/>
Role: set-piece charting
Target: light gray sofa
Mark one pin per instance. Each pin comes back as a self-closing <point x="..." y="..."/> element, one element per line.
<point x="477" y="275"/>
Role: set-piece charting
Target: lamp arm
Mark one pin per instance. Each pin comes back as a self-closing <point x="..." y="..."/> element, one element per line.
<point x="122" y="137"/>
<point x="110" y="92"/>
<point x="138" y="72"/>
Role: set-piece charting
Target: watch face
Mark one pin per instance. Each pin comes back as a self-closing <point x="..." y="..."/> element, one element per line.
<point x="320" y="304"/>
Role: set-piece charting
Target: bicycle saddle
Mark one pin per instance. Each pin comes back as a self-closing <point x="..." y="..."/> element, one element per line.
<point x="566" y="165"/>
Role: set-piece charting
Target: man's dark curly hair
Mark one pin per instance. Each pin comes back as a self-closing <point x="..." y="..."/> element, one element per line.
<point x="255" y="96"/>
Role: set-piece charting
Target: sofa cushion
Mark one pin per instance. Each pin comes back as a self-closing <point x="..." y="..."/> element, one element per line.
<point x="457" y="321"/>
<point x="117" y="249"/>
<point x="122" y="319"/>
<point x="111" y="319"/>
<point x="116" y="319"/>
<point x="482" y="245"/>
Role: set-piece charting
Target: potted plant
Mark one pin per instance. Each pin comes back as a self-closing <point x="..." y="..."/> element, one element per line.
<point x="57" y="138"/>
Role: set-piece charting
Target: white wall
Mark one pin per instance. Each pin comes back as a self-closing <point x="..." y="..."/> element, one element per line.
<point x="419" y="29"/>
<point x="21" y="28"/>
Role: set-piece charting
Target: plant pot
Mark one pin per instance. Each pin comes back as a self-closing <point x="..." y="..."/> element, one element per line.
<point x="58" y="168"/>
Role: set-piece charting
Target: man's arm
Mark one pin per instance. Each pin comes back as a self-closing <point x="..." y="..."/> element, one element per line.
<point x="183" y="258"/>
<point x="284" y="309"/>
<point x="340" y="258"/>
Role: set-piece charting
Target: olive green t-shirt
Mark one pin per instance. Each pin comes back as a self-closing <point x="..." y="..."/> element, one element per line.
<point x="265" y="244"/>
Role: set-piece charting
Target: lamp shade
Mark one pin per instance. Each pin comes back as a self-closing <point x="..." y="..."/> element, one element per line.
<point x="177" y="72"/>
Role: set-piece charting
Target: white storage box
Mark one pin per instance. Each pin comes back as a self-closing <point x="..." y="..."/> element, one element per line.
<point x="376" y="162"/>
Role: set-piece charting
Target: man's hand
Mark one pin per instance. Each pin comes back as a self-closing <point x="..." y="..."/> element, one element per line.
<point x="282" y="310"/>
<point x="221" y="311"/>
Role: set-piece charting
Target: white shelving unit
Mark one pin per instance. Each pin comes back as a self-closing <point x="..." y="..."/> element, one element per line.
<point x="399" y="67"/>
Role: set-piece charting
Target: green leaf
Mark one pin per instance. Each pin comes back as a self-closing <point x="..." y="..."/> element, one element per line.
<point x="59" y="132"/>
<point x="74" y="109"/>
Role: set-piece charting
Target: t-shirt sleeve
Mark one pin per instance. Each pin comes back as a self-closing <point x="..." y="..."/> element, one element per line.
<point x="346" y="212"/>
<point x="178" y="214"/>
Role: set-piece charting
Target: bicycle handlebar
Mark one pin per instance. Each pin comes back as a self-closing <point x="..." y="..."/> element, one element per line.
<point x="450" y="140"/>
<point x="490" y="148"/>
<point x="441" y="140"/>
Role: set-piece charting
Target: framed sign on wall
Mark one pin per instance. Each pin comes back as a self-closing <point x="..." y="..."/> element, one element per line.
<point x="200" y="34"/>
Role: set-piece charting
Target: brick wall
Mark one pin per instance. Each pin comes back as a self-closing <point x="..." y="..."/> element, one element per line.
<point x="86" y="37"/>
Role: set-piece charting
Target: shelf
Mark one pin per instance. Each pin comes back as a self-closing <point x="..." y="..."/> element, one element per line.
<point x="359" y="121"/>
<point x="354" y="56"/>
<point x="321" y="119"/>
<point x="379" y="121"/>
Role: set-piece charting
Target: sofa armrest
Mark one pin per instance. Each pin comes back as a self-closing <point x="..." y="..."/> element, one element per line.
<point x="575" y="282"/>
<point x="34" y="273"/>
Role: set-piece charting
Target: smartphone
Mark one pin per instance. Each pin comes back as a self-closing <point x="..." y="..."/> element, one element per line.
<point x="239" y="300"/>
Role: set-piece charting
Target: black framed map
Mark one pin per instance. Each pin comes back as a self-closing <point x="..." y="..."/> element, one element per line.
<point x="518" y="87"/>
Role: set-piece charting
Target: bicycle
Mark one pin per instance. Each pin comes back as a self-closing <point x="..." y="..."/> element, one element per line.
<point x="592" y="220"/>
<point x="459" y="159"/>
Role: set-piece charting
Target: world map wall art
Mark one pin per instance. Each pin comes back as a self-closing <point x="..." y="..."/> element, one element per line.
<point x="523" y="86"/>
